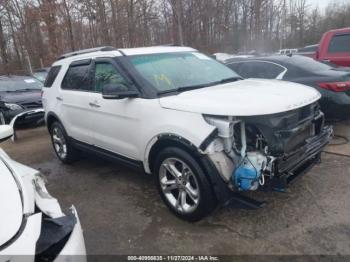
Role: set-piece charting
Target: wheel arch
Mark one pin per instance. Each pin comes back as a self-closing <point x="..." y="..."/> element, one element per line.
<point x="51" y="117"/>
<point x="163" y="141"/>
<point x="160" y="142"/>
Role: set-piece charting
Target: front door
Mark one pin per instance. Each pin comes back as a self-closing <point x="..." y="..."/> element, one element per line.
<point x="117" y="122"/>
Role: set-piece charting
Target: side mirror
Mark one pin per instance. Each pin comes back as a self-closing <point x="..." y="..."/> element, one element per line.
<point x="6" y="132"/>
<point x="119" y="91"/>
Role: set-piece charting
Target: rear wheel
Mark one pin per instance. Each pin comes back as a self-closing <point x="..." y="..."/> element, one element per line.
<point x="183" y="185"/>
<point x="60" y="141"/>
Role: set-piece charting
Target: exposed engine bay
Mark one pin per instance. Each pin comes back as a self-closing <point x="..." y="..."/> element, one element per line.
<point x="267" y="151"/>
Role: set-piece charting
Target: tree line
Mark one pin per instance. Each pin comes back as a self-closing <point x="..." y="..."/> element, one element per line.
<point x="36" y="32"/>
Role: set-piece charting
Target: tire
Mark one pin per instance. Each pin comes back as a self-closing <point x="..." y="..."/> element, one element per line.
<point x="185" y="190"/>
<point x="61" y="144"/>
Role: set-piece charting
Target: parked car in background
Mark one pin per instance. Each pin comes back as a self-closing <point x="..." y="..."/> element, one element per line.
<point x="33" y="226"/>
<point x="332" y="83"/>
<point x="334" y="47"/>
<point x="203" y="132"/>
<point x="20" y="100"/>
<point x="287" y="51"/>
<point x="309" y="51"/>
<point x="41" y="74"/>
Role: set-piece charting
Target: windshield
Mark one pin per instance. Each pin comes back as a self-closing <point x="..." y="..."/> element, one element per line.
<point x="41" y="76"/>
<point x="19" y="84"/>
<point x="172" y="71"/>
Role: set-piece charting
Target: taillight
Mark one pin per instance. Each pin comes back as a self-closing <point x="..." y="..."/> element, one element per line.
<point x="336" y="86"/>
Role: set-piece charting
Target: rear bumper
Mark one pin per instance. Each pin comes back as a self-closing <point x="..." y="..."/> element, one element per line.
<point x="61" y="238"/>
<point x="299" y="162"/>
<point x="75" y="245"/>
<point x="24" y="247"/>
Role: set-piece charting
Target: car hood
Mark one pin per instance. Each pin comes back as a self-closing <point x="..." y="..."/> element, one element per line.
<point x="20" y="97"/>
<point x="10" y="205"/>
<point x="243" y="98"/>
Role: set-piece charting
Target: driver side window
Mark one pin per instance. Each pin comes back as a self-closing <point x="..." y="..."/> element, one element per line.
<point x="107" y="75"/>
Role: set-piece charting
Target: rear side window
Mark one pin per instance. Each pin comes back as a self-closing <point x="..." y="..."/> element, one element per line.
<point x="339" y="44"/>
<point x="258" y="69"/>
<point x="51" y="77"/>
<point x="77" y="78"/>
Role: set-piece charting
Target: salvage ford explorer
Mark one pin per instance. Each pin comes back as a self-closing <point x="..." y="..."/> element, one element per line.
<point x="204" y="133"/>
<point x="32" y="224"/>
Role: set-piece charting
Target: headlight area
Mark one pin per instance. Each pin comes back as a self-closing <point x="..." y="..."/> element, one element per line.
<point x="269" y="152"/>
<point x="13" y="107"/>
<point x="57" y="229"/>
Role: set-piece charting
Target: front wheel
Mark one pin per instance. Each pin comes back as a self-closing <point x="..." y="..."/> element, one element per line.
<point x="183" y="185"/>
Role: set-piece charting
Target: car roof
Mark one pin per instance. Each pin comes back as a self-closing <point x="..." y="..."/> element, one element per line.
<point x="339" y="30"/>
<point x="81" y="55"/>
<point x="14" y="77"/>
<point x="273" y="58"/>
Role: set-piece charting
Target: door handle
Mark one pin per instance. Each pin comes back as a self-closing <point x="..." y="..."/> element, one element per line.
<point x="59" y="98"/>
<point x="94" y="105"/>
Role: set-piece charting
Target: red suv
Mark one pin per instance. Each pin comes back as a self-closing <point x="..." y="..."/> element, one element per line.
<point x="334" y="47"/>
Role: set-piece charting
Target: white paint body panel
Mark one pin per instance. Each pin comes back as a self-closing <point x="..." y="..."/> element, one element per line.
<point x="249" y="97"/>
<point x="10" y="205"/>
<point x="6" y="131"/>
<point x="126" y="126"/>
<point x="25" y="244"/>
<point x="34" y="193"/>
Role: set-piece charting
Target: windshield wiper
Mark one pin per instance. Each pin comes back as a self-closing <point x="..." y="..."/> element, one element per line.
<point x="189" y="88"/>
<point x="230" y="79"/>
<point x="184" y="89"/>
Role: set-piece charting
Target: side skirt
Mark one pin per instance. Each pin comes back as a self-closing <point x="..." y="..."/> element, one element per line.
<point x="108" y="155"/>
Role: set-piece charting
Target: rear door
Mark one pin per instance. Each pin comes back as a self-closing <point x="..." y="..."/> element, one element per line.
<point x="74" y="99"/>
<point x="338" y="51"/>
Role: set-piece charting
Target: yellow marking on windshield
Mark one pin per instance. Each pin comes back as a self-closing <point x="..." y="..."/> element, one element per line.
<point x="161" y="79"/>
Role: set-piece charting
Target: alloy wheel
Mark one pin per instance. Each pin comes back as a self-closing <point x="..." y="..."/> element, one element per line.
<point x="179" y="185"/>
<point x="59" y="142"/>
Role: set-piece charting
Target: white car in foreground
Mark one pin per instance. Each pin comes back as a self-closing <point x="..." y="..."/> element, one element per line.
<point x="32" y="224"/>
<point x="202" y="131"/>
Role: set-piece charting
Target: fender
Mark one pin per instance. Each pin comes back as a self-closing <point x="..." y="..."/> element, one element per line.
<point x="220" y="188"/>
<point x="170" y="137"/>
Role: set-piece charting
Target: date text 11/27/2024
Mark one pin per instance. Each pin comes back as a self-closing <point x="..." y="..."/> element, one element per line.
<point x="173" y="258"/>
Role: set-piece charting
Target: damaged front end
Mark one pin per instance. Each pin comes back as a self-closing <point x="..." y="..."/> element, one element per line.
<point x="267" y="151"/>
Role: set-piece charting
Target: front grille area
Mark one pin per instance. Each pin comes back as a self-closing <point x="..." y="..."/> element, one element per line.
<point x="287" y="131"/>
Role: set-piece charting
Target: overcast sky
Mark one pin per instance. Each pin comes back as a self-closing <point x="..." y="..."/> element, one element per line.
<point x="322" y="3"/>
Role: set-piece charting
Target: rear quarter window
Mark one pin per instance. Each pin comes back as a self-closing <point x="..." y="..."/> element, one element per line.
<point x="339" y="44"/>
<point x="51" y="77"/>
<point x="77" y="78"/>
<point x="257" y="69"/>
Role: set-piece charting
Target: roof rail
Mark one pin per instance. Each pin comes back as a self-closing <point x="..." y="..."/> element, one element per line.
<point x="85" y="51"/>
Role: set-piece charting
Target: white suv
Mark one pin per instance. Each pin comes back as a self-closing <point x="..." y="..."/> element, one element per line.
<point x="204" y="133"/>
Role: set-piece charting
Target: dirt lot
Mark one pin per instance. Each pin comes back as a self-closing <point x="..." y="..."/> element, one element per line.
<point x="121" y="212"/>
